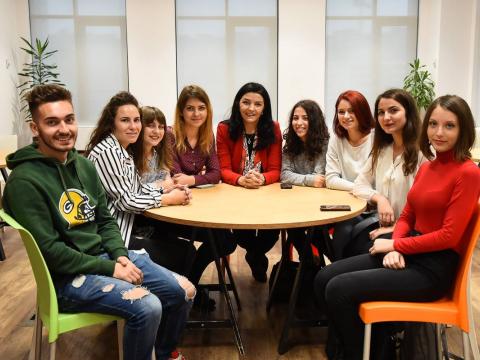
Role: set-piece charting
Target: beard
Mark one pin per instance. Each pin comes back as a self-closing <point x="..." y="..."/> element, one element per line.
<point x="59" y="143"/>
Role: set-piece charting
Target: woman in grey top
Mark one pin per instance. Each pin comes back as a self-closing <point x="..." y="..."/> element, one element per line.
<point x="304" y="153"/>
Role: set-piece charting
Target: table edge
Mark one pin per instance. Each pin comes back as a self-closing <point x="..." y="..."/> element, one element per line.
<point x="223" y="225"/>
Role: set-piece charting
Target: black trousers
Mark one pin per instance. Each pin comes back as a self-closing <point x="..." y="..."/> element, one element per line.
<point x="343" y="285"/>
<point x="298" y="236"/>
<point x="256" y="242"/>
<point x="165" y="248"/>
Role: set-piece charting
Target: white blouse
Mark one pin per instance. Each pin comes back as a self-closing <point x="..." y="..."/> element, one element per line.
<point x="387" y="179"/>
<point x="345" y="161"/>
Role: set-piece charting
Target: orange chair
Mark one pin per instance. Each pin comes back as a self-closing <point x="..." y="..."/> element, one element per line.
<point x="454" y="309"/>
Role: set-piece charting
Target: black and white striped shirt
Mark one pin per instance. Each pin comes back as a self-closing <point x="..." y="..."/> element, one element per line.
<point x="126" y="195"/>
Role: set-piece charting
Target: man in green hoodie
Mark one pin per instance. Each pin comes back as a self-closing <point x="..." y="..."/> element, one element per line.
<point x="56" y="194"/>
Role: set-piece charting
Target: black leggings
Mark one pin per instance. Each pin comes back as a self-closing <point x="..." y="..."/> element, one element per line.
<point x="298" y="236"/>
<point x="256" y="242"/>
<point x="343" y="285"/>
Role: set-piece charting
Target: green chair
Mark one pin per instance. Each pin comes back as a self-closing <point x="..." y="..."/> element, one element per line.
<point x="47" y="306"/>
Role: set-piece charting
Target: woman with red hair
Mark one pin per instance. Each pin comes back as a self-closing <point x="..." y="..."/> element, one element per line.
<point x="348" y="151"/>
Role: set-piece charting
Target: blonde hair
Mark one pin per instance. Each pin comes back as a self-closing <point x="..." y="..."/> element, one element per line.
<point x="205" y="133"/>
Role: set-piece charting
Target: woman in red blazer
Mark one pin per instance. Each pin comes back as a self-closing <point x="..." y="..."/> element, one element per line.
<point x="249" y="148"/>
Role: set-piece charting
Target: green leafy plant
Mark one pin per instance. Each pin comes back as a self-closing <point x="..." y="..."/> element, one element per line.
<point x="419" y="84"/>
<point x="38" y="71"/>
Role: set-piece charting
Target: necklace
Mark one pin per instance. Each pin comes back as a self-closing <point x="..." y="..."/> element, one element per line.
<point x="250" y="138"/>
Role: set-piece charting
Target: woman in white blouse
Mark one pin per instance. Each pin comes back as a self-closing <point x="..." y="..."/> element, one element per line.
<point x="390" y="170"/>
<point x="348" y="150"/>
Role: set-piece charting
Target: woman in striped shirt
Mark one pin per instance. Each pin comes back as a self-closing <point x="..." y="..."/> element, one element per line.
<point x="118" y="127"/>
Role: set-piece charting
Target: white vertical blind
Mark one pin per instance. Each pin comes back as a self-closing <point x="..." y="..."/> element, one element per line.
<point x="223" y="44"/>
<point x="369" y="46"/>
<point x="90" y="36"/>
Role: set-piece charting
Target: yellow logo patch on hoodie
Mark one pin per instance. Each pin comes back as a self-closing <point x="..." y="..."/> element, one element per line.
<point x="75" y="207"/>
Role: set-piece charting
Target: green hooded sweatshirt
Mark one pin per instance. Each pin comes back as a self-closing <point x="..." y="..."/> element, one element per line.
<point x="65" y="209"/>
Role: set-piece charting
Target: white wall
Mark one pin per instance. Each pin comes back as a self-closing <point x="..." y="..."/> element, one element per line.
<point x="152" y="56"/>
<point x="455" y="64"/>
<point x="301" y="54"/>
<point x="429" y="34"/>
<point x="14" y="24"/>
<point x="476" y="68"/>
<point x="446" y="44"/>
<point x="151" y="53"/>
<point x="152" y="65"/>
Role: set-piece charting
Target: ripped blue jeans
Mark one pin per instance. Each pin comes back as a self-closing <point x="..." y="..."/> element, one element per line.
<point x="156" y="317"/>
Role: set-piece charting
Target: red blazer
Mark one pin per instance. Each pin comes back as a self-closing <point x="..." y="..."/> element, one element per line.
<point x="230" y="156"/>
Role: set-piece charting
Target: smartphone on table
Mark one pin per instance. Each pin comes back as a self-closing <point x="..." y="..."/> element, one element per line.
<point x="335" y="208"/>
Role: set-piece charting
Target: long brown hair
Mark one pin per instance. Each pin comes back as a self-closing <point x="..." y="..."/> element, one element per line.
<point x="205" y="133"/>
<point x="410" y="131"/>
<point x="106" y="123"/>
<point x="150" y="114"/>
<point x="466" y="124"/>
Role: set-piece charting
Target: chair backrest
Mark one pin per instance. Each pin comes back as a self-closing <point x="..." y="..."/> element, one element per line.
<point x="46" y="295"/>
<point x="460" y="292"/>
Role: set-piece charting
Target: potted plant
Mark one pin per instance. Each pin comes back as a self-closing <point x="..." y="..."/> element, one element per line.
<point x="38" y="71"/>
<point x="419" y="84"/>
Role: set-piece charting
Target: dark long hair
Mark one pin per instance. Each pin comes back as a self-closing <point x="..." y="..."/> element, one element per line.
<point x="150" y="114"/>
<point x="106" y="122"/>
<point x="360" y="108"/>
<point x="317" y="134"/>
<point x="410" y="131"/>
<point x="466" y="124"/>
<point x="265" y="126"/>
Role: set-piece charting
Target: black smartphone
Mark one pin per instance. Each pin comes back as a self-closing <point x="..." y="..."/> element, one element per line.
<point x="285" y="186"/>
<point x="335" y="208"/>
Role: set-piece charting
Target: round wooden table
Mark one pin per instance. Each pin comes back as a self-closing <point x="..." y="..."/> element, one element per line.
<point x="224" y="206"/>
<point x="233" y="207"/>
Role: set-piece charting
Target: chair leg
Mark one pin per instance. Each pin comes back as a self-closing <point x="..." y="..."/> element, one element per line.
<point x="438" y="340"/>
<point x="471" y="334"/>
<point x="53" y="349"/>
<point x="120" y="330"/>
<point x="38" y="335"/>
<point x="466" y="346"/>
<point x="366" y="341"/>
<point x="473" y="343"/>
